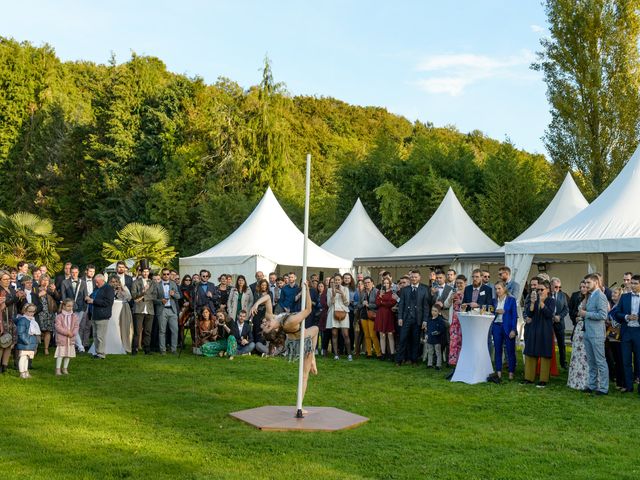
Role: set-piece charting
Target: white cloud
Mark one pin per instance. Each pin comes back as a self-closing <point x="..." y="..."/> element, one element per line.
<point x="537" y="29"/>
<point x="451" y="73"/>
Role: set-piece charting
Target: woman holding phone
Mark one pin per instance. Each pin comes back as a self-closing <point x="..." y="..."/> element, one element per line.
<point x="539" y="335"/>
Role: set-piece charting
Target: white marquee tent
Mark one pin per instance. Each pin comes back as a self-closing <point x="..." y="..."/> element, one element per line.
<point x="449" y="236"/>
<point x="449" y="231"/>
<point x="358" y="236"/>
<point x="267" y="238"/>
<point x="609" y="225"/>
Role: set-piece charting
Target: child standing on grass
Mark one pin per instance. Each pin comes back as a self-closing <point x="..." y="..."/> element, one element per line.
<point x="27" y="342"/>
<point x="435" y="334"/>
<point x="67" y="326"/>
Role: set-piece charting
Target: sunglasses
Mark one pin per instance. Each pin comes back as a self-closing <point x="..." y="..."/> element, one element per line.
<point x="540" y="289"/>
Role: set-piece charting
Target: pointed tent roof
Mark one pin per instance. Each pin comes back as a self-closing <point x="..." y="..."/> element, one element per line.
<point x="609" y="224"/>
<point x="358" y="236"/>
<point x="567" y="202"/>
<point x="449" y="231"/>
<point x="270" y="233"/>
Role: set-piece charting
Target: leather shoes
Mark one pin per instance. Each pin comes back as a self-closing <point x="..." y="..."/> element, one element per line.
<point x="587" y="390"/>
<point x="599" y="393"/>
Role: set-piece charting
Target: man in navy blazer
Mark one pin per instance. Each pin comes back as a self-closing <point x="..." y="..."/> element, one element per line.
<point x="414" y="309"/>
<point x="628" y="315"/>
<point x="243" y="333"/>
<point x="477" y="295"/>
<point x="562" y="310"/>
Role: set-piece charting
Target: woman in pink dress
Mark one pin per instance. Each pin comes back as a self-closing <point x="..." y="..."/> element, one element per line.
<point x="453" y="302"/>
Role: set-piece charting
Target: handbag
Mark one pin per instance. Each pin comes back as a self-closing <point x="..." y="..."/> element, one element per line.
<point x="371" y="314"/>
<point x="338" y="316"/>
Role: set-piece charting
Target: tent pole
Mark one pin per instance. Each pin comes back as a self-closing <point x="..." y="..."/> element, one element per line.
<point x="304" y="293"/>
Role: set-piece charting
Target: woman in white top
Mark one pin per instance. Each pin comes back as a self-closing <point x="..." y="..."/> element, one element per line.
<point x="338" y="301"/>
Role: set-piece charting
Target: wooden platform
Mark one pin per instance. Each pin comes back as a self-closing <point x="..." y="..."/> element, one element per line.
<point x="318" y="419"/>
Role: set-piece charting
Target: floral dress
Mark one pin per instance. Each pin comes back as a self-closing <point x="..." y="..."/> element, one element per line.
<point x="578" y="368"/>
<point x="47" y="317"/>
<point x="455" y="331"/>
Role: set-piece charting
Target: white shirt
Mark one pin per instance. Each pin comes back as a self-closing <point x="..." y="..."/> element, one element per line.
<point x="89" y="286"/>
<point x="635" y="306"/>
<point x="165" y="287"/>
<point x="27" y="294"/>
<point x="500" y="307"/>
<point x="145" y="282"/>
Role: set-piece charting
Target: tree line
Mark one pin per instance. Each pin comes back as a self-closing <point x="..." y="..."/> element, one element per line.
<point x="93" y="147"/>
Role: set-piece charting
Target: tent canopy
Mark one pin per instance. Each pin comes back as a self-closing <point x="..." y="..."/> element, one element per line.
<point x="567" y="202"/>
<point x="267" y="237"/>
<point x="358" y="236"/>
<point x="449" y="231"/>
<point x="610" y="224"/>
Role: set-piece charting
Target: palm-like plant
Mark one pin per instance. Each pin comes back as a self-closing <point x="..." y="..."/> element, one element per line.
<point x="139" y="241"/>
<point x="30" y="238"/>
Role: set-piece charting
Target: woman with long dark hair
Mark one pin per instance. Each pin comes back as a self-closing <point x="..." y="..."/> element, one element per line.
<point x="240" y="298"/>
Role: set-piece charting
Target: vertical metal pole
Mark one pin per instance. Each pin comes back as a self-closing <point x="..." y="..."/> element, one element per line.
<point x="304" y="288"/>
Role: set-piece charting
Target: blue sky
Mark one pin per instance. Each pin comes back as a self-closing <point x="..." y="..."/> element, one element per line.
<point x="462" y="63"/>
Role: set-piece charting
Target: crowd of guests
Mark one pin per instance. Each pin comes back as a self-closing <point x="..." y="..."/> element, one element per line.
<point x="403" y="322"/>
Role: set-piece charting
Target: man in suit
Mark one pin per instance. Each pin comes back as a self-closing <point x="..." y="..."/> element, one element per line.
<point x="476" y="295"/>
<point x="594" y="315"/>
<point x="513" y="289"/>
<point x="254" y="285"/>
<point x="562" y="309"/>
<point x="628" y="315"/>
<point x="61" y="277"/>
<point x="88" y="285"/>
<point x="73" y="289"/>
<point x="440" y="291"/>
<point x="241" y="330"/>
<point x="144" y="294"/>
<point x="169" y="294"/>
<point x="100" y="304"/>
<point x="274" y="290"/>
<point x="413" y="312"/>
<point x="486" y="280"/>
<point x="451" y="277"/>
<point x="205" y="293"/>
<point x="121" y="272"/>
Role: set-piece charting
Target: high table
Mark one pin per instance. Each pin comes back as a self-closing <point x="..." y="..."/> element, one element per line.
<point x="474" y="363"/>
<point x="113" y="340"/>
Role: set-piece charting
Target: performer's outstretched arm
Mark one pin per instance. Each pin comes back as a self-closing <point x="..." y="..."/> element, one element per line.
<point x="266" y="299"/>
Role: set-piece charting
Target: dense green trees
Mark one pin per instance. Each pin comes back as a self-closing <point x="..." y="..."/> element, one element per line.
<point x="95" y="147"/>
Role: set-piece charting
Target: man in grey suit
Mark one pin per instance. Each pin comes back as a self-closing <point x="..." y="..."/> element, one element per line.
<point x="414" y="309"/>
<point x="594" y="316"/>
<point x="169" y="294"/>
<point x="562" y="309"/>
<point x="440" y="291"/>
<point x="144" y="293"/>
<point x="74" y="289"/>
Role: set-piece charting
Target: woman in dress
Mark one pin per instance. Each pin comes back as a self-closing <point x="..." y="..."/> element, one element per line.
<point x="285" y="329"/>
<point x="125" y="321"/>
<point x="322" y="320"/>
<point x="8" y="302"/>
<point x="578" y="367"/>
<point x="240" y="298"/>
<point x="215" y="335"/>
<point x="538" y="342"/>
<point x="504" y="328"/>
<point x="355" y="328"/>
<point x="338" y="315"/>
<point x="224" y="290"/>
<point x="612" y="345"/>
<point x="262" y="289"/>
<point x="46" y="318"/>
<point x="454" y="304"/>
<point x="385" y="322"/>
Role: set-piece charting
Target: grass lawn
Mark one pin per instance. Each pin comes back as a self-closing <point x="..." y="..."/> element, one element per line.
<point x="167" y="417"/>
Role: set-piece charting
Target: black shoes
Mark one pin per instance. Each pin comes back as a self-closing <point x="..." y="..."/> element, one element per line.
<point x="541" y="384"/>
<point x="600" y="393"/>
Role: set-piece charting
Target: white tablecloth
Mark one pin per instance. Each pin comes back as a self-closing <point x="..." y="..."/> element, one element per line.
<point x="113" y="340"/>
<point x="474" y="364"/>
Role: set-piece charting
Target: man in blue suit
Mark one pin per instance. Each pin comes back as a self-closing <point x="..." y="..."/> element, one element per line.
<point x="628" y="315"/>
<point x="414" y="309"/>
<point x="477" y="295"/>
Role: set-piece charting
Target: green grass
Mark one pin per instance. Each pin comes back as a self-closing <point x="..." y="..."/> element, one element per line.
<point x="167" y="417"/>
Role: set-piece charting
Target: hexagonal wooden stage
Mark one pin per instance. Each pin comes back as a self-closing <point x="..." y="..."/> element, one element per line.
<point x="282" y="418"/>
